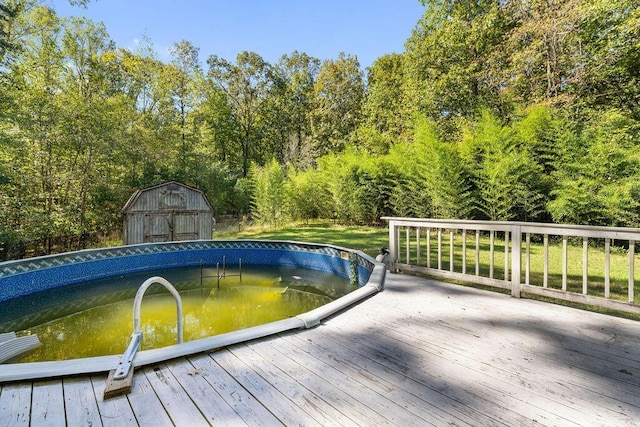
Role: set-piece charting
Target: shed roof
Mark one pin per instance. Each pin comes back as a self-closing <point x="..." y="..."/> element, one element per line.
<point x="136" y="195"/>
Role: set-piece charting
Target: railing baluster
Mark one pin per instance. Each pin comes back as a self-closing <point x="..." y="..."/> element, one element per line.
<point x="428" y="247"/>
<point x="527" y="273"/>
<point x="491" y="237"/>
<point x="408" y="239"/>
<point x="418" y="246"/>
<point x="464" y="251"/>
<point x="506" y="256"/>
<point x="564" y="263"/>
<point x="632" y="282"/>
<point x="516" y="261"/>
<point x="439" y="248"/>
<point x="397" y="244"/>
<point x="585" y="264"/>
<point x="545" y="274"/>
<point x="607" y="279"/>
<point x="477" y="252"/>
<point x="451" y="250"/>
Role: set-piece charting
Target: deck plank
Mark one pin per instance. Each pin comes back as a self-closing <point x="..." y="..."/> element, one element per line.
<point x="174" y="399"/>
<point x="145" y="404"/>
<point x="317" y="409"/>
<point x="428" y="401"/>
<point x="47" y="404"/>
<point x="541" y="367"/>
<point x="368" y="408"/>
<point x="286" y="410"/>
<point x="80" y="404"/>
<point x="115" y="411"/>
<point x="203" y="394"/>
<point x="15" y="404"/>
<point x="248" y="409"/>
<point x="493" y="365"/>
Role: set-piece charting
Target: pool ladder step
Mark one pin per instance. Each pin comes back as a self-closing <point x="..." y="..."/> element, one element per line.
<point x="12" y="346"/>
<point x="120" y="379"/>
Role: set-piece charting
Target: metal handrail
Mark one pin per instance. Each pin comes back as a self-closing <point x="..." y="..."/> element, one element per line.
<point x="126" y="361"/>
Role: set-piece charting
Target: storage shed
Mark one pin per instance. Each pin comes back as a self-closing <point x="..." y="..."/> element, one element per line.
<point x="167" y="212"/>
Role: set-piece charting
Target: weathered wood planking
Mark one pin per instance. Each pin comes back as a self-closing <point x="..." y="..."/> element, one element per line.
<point x="15" y="404"/>
<point x="47" y="404"/>
<point x="146" y="405"/>
<point x="174" y="399"/>
<point x="316" y="409"/>
<point x="81" y="407"/>
<point x="420" y="353"/>
<point x="204" y="395"/>
<point x="248" y="409"/>
<point x="424" y="400"/>
<point x="479" y="349"/>
<point x="285" y="410"/>
<point x="115" y="411"/>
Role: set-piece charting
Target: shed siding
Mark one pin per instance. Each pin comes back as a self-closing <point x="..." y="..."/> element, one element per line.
<point x="167" y="212"/>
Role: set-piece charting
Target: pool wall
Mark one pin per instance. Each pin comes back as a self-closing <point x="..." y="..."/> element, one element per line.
<point x="24" y="277"/>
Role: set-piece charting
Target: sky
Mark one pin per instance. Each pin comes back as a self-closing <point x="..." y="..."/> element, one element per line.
<point x="367" y="29"/>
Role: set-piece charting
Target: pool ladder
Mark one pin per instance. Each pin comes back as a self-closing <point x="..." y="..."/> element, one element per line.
<point x="126" y="361"/>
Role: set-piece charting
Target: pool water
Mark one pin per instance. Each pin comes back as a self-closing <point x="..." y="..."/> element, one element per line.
<point x="96" y="318"/>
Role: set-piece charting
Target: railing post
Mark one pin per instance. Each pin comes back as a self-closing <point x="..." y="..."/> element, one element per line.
<point x="516" y="260"/>
<point x="393" y="245"/>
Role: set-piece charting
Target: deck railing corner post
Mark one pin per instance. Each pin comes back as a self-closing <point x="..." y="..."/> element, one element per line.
<point x="393" y="246"/>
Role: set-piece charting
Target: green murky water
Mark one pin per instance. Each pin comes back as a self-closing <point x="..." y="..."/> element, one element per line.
<point x="77" y="322"/>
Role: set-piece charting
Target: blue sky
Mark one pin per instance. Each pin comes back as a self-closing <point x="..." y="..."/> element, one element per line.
<point x="320" y="28"/>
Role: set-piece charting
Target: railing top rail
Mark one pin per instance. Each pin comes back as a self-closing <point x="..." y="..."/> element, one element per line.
<point x="525" y="227"/>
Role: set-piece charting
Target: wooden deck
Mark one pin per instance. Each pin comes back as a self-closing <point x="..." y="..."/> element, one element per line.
<point x="421" y="352"/>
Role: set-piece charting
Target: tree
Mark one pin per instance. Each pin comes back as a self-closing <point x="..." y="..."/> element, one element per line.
<point x="610" y="62"/>
<point x="505" y="173"/>
<point x="288" y="105"/>
<point x="448" y="60"/>
<point x="338" y="95"/>
<point x="598" y="181"/>
<point x="543" y="52"/>
<point x="443" y="174"/>
<point x="245" y="84"/>
<point x="386" y="108"/>
<point x="186" y="68"/>
<point x="269" y="194"/>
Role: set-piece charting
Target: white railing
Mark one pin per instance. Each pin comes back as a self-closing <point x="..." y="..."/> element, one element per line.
<point x="416" y="245"/>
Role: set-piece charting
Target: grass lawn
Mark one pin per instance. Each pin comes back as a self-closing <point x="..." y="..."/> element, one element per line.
<point x="367" y="239"/>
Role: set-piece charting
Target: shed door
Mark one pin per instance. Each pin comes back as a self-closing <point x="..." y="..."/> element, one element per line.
<point x="157" y="227"/>
<point x="185" y="226"/>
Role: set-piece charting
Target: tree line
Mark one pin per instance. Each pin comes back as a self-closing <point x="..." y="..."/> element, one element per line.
<point x="505" y="110"/>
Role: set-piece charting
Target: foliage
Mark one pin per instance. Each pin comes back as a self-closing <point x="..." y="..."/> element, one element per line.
<point x="338" y="94"/>
<point x="518" y="110"/>
<point x="269" y="194"/>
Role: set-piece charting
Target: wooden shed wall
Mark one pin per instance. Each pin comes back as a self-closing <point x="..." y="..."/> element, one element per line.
<point x="167" y="212"/>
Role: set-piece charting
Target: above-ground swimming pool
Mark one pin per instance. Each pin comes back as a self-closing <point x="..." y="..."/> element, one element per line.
<point x="288" y="285"/>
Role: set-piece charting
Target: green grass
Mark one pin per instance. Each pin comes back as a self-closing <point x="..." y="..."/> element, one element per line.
<point x="367" y="239"/>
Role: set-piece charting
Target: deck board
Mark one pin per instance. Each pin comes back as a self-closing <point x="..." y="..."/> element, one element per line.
<point x="422" y="352"/>
<point x="80" y="402"/>
<point x="174" y="398"/>
<point x="47" y="404"/>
